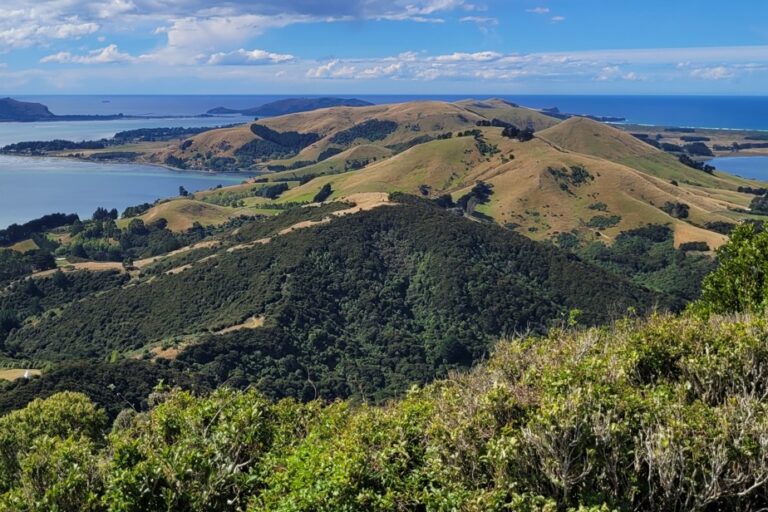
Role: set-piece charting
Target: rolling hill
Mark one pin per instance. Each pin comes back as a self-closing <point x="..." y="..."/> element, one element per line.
<point x="363" y="301"/>
<point x="395" y="127"/>
<point x="519" y="116"/>
<point x="576" y="177"/>
<point x="181" y="214"/>
<point x="579" y="176"/>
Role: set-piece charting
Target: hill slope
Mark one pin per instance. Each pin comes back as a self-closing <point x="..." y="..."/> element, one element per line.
<point x="505" y="111"/>
<point x="582" y="135"/>
<point x="579" y="176"/>
<point x="181" y="214"/>
<point x="367" y="303"/>
<point x="396" y="126"/>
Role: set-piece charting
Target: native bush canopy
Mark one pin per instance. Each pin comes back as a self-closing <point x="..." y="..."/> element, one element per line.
<point x="365" y="305"/>
<point x="634" y="416"/>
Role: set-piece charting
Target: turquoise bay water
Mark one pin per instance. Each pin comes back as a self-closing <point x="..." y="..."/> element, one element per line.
<point x="31" y="187"/>
<point x="752" y="167"/>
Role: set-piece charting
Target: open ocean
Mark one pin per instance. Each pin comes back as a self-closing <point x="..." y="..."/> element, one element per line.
<point x="733" y="112"/>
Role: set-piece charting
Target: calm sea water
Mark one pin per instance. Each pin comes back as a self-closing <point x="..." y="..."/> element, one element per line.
<point x="753" y="167"/>
<point x="31" y="187"/>
<point x="700" y="111"/>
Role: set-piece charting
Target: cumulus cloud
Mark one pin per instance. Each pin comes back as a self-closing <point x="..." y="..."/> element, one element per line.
<point x="713" y="73"/>
<point x="538" y="10"/>
<point x="195" y="40"/>
<point x="17" y="30"/>
<point x="557" y="19"/>
<point x="610" y="73"/>
<point x="390" y="70"/>
<point x="472" y="57"/>
<point x="107" y="55"/>
<point x="244" y="57"/>
<point x="332" y="69"/>
<point x="29" y="23"/>
<point x="634" y="65"/>
<point x="193" y="30"/>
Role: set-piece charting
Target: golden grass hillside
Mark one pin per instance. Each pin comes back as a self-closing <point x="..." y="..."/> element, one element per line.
<point x="519" y="116"/>
<point x="181" y="214"/>
<point x="627" y="183"/>
<point x="533" y="191"/>
<point x="414" y="120"/>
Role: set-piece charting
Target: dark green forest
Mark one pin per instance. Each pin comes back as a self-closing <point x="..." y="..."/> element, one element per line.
<point x="665" y="413"/>
<point x="364" y="306"/>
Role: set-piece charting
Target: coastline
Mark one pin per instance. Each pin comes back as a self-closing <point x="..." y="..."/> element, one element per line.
<point x="98" y="118"/>
<point x="249" y="174"/>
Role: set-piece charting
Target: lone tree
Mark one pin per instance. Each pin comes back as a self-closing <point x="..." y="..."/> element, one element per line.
<point x="101" y="214"/>
<point x="323" y="194"/>
<point x="525" y="135"/>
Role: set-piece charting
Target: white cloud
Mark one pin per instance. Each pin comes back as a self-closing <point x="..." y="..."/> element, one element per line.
<point x="407" y="57"/>
<point x="472" y="57"/>
<point x="610" y="73"/>
<point x="480" y="21"/>
<point x="557" y="19"/>
<point x="632" y="77"/>
<point x="538" y="10"/>
<point x="634" y="65"/>
<point x="332" y="69"/>
<point x="390" y="70"/>
<point x="22" y="29"/>
<point x="194" y="26"/>
<point x="107" y="55"/>
<point x="420" y="11"/>
<point x="113" y="8"/>
<point x="435" y="73"/>
<point x="713" y="73"/>
<point x="192" y="40"/>
<point x="244" y="57"/>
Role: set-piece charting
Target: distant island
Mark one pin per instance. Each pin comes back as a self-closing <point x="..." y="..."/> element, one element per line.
<point x="555" y="112"/>
<point x="24" y="111"/>
<point x="12" y="110"/>
<point x="291" y="106"/>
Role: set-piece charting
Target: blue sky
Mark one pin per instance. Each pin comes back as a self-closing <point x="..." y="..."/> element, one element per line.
<point x="387" y="47"/>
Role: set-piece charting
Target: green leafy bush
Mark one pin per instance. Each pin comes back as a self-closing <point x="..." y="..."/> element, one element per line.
<point x="604" y="221"/>
<point x="371" y="130"/>
<point x="632" y="416"/>
<point x="739" y="283"/>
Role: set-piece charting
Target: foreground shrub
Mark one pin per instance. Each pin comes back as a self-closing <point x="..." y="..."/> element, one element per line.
<point x="668" y="413"/>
